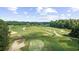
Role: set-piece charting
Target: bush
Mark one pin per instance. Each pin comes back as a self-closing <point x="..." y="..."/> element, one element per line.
<point x="74" y="33"/>
<point x="3" y="35"/>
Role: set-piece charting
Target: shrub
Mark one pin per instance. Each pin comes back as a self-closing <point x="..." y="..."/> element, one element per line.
<point x="74" y="33"/>
<point x="3" y="35"/>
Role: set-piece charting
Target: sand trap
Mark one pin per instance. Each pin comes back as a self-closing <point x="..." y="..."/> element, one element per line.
<point x="13" y="32"/>
<point x="62" y="30"/>
<point x="24" y="28"/>
<point x="17" y="45"/>
<point x="57" y="34"/>
<point x="48" y="34"/>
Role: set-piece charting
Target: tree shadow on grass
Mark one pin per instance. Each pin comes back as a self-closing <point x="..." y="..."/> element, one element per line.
<point x="73" y="42"/>
<point x="72" y="38"/>
<point x="37" y="36"/>
<point x="50" y="43"/>
<point x="68" y="35"/>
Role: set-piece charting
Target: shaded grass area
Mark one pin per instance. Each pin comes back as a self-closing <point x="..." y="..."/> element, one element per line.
<point x="44" y="39"/>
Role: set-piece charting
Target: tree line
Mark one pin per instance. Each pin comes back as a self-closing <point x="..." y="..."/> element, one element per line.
<point x="72" y="24"/>
<point x="66" y="23"/>
<point x="27" y="23"/>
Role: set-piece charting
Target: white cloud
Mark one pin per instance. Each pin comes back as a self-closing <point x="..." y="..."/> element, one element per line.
<point x="69" y="10"/>
<point x="49" y="17"/>
<point x="68" y="15"/>
<point x="63" y="16"/>
<point x="45" y="10"/>
<point x="15" y="12"/>
<point x="52" y="17"/>
<point x="13" y="9"/>
<point x="74" y="9"/>
<point x="25" y="13"/>
<point x="39" y="9"/>
<point x="50" y="10"/>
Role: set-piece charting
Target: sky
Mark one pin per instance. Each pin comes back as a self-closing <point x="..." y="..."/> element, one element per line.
<point x="38" y="14"/>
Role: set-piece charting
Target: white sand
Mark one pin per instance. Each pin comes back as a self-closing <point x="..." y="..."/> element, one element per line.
<point x="24" y="28"/>
<point x="57" y="34"/>
<point x="13" y="33"/>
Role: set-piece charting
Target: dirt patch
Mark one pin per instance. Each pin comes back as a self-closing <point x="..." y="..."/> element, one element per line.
<point x="17" y="45"/>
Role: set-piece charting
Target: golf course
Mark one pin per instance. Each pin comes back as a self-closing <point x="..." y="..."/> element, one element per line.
<point x="40" y="38"/>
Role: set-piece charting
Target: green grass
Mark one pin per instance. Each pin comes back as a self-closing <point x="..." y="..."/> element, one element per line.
<point x="44" y="38"/>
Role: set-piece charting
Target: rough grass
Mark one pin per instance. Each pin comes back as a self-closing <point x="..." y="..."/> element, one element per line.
<point x="45" y="39"/>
